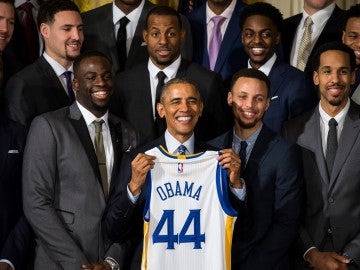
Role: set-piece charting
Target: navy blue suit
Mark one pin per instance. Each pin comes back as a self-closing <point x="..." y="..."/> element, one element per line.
<point x="264" y="233"/>
<point x="290" y="95"/>
<point x="232" y="56"/>
<point x="12" y="141"/>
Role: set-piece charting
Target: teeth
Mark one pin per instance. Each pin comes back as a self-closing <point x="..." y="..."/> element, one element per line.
<point x="184" y="118"/>
<point x="257" y="50"/>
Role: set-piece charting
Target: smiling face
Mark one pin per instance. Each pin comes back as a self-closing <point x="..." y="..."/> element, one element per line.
<point x="260" y="37"/>
<point x="63" y="37"/>
<point x="249" y="101"/>
<point x="351" y="36"/>
<point x="7" y="21"/>
<point x="93" y="84"/>
<point x="334" y="78"/>
<point x="181" y="106"/>
<point x="163" y="37"/>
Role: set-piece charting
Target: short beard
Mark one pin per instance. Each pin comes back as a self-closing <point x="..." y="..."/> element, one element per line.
<point x="244" y="125"/>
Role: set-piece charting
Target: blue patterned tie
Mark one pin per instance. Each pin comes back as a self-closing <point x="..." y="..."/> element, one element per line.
<point x="182" y="150"/>
<point x="69" y="88"/>
<point x="242" y="155"/>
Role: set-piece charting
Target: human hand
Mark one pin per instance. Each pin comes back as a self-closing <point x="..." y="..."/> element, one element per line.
<point x="5" y="266"/>
<point x="230" y="160"/>
<point x="326" y="260"/>
<point x="140" y="166"/>
<point x="96" y="266"/>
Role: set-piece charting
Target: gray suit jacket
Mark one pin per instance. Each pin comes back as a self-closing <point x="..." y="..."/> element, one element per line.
<point x="62" y="193"/>
<point x="99" y="35"/>
<point x="332" y="201"/>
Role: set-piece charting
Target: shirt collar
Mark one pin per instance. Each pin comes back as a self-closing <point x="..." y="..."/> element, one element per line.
<point x="170" y="71"/>
<point x="89" y="117"/>
<point x="172" y="144"/>
<point x="250" y="140"/>
<point x="320" y="17"/>
<point x="133" y="16"/>
<point x="340" y="117"/>
<point x="59" y="69"/>
<point x="35" y="3"/>
<point x="266" y="68"/>
<point x="227" y="13"/>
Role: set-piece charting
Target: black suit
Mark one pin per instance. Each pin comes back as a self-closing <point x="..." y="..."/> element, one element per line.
<point x="123" y="218"/>
<point x="34" y="90"/>
<point x="12" y="141"/>
<point x="264" y="234"/>
<point x="331" y="32"/>
<point x="132" y="100"/>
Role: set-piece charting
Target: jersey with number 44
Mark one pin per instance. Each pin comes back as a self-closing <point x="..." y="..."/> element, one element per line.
<point x="188" y="220"/>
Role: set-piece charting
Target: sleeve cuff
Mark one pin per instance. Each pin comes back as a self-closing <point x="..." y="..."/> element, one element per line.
<point x="132" y="198"/>
<point x="8" y="262"/>
<point x="240" y="193"/>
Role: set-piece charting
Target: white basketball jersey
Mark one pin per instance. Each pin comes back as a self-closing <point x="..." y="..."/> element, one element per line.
<point x="188" y="220"/>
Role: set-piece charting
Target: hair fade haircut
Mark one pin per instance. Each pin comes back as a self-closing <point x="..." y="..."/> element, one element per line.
<point x="264" y="9"/>
<point x="353" y="12"/>
<point x="251" y="73"/>
<point x="163" y="11"/>
<point x="333" y="46"/>
<point x="49" y="8"/>
<point x="85" y="55"/>
<point x="182" y="80"/>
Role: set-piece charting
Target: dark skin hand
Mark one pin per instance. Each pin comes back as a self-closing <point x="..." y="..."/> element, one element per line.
<point x="326" y="260"/>
<point x="96" y="266"/>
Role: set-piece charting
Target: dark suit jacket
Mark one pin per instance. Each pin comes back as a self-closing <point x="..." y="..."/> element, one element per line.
<point x="232" y="56"/>
<point x="332" y="201"/>
<point x="290" y="95"/>
<point x="264" y="234"/>
<point x="123" y="219"/>
<point x="32" y="91"/>
<point x="132" y="100"/>
<point x="15" y="232"/>
<point x="62" y="191"/>
<point x="331" y="32"/>
<point x="99" y="35"/>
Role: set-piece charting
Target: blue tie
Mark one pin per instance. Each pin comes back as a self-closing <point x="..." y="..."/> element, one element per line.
<point x="242" y="155"/>
<point x="69" y="89"/>
<point x="182" y="150"/>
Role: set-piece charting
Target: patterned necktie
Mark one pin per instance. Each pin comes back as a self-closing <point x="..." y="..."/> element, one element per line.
<point x="161" y="79"/>
<point x="69" y="88"/>
<point x="305" y="45"/>
<point x="100" y="154"/>
<point x="121" y="42"/>
<point x="31" y="36"/>
<point x="182" y="150"/>
<point x="331" y="145"/>
<point x="242" y="155"/>
<point x="215" y="40"/>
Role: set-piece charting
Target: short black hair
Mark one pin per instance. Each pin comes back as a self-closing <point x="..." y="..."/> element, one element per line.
<point x="85" y="55"/>
<point x="163" y="11"/>
<point x="263" y="9"/>
<point x="353" y="12"/>
<point x="333" y="46"/>
<point x="251" y="73"/>
<point x="181" y="80"/>
<point x="49" y="8"/>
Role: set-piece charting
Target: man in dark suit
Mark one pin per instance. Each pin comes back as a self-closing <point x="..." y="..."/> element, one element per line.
<point x="181" y="106"/>
<point x="77" y="152"/>
<point x="329" y="137"/>
<point x="261" y="27"/>
<point x="271" y="170"/>
<point x="44" y="86"/>
<point x="134" y="98"/>
<point x="108" y="17"/>
<point x="328" y="23"/>
<point x="231" y="56"/>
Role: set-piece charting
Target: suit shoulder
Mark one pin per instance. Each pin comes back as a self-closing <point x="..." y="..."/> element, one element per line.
<point x="105" y="9"/>
<point x="132" y="73"/>
<point x="11" y="126"/>
<point x="222" y="141"/>
<point x="196" y="70"/>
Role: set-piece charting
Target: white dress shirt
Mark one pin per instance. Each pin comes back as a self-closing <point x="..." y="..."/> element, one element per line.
<point x="266" y="68"/>
<point x="108" y="146"/>
<point x="319" y="19"/>
<point x="133" y="17"/>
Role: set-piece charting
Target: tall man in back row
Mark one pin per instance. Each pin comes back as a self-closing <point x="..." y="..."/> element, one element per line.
<point x="330" y="139"/>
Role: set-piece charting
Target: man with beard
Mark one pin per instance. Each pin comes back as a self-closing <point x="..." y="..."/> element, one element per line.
<point x="289" y="94"/>
<point x="351" y="38"/>
<point x="329" y="137"/>
<point x="71" y="159"/>
<point x="45" y="85"/>
<point x="270" y="168"/>
<point x="137" y="90"/>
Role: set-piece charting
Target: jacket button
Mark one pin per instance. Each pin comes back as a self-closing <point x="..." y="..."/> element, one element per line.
<point x="331" y="200"/>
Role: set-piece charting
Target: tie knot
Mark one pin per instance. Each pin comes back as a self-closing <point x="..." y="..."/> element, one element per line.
<point x="67" y="75"/>
<point x="98" y="125"/>
<point x="182" y="150"/>
<point x="218" y="20"/>
<point x="243" y="144"/>
<point x="27" y="6"/>
<point x="308" y="22"/>
<point x="124" y="21"/>
<point x="332" y="122"/>
<point x="161" y="76"/>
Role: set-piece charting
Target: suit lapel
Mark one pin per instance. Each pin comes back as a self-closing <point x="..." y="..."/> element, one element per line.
<point x="4" y="144"/>
<point x="276" y="77"/>
<point x="350" y="132"/>
<point x="109" y="36"/>
<point x="82" y="131"/>
<point x="116" y="138"/>
<point x="183" y="68"/>
<point x="311" y="140"/>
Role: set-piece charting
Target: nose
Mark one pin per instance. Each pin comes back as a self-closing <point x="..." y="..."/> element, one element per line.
<point x="163" y="39"/>
<point x="257" y="38"/>
<point x="4" y="25"/>
<point x="76" y="34"/>
<point x="100" y="80"/>
<point x="184" y="106"/>
<point x="335" y="77"/>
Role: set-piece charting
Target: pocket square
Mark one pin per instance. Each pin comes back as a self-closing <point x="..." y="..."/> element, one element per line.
<point x="13" y="151"/>
<point x="143" y="44"/>
<point x="274" y="97"/>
